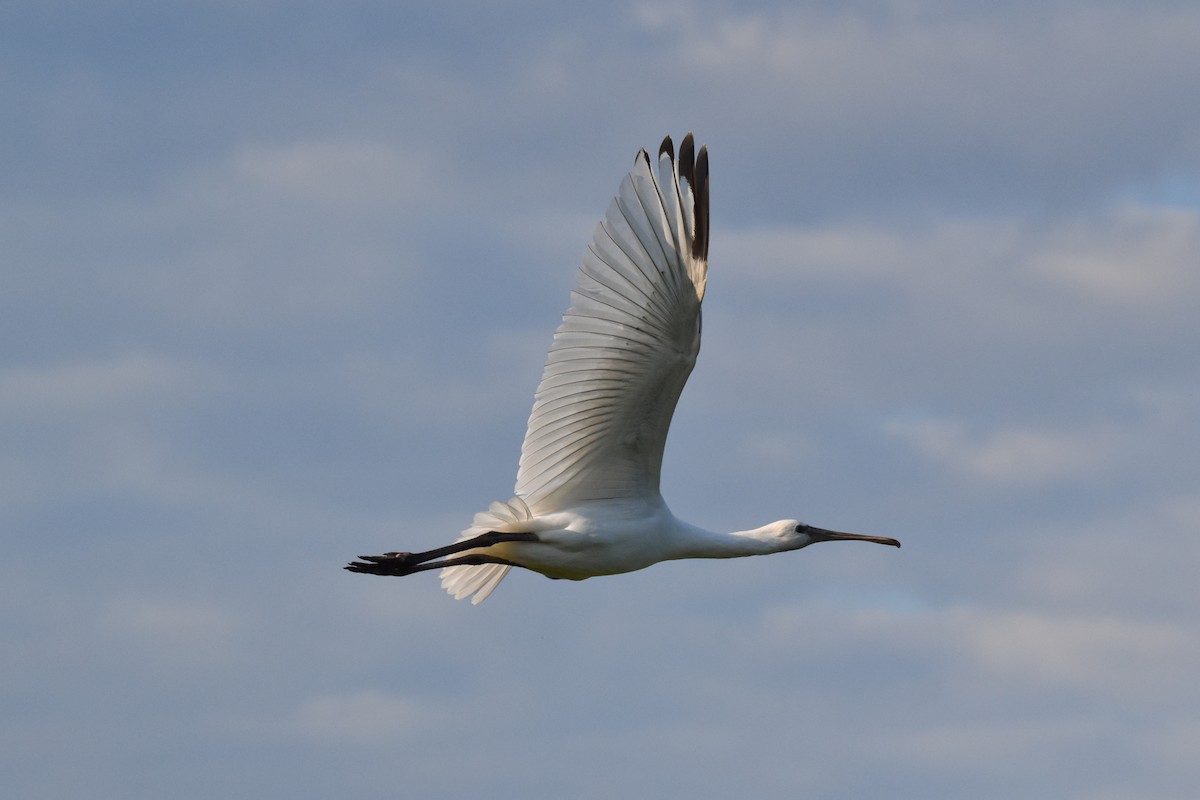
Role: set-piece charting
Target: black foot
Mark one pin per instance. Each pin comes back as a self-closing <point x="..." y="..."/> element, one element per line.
<point x="386" y="564"/>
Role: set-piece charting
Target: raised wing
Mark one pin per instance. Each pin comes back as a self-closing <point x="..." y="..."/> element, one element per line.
<point x="627" y="344"/>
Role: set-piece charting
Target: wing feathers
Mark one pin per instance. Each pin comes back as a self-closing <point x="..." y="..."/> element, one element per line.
<point x="627" y="343"/>
<point x="631" y="258"/>
<point x="619" y="359"/>
<point x="650" y="230"/>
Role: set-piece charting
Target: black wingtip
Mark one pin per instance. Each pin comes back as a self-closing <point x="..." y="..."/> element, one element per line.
<point x="700" y="189"/>
<point x="667" y="148"/>
<point x="687" y="160"/>
<point x="693" y="168"/>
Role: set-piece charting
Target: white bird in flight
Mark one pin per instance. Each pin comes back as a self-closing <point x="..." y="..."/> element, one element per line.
<point x="587" y="499"/>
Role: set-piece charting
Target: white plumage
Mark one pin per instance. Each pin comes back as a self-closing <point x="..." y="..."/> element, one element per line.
<point x="587" y="498"/>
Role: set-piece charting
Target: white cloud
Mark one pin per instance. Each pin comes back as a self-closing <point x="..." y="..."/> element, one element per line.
<point x="363" y="717"/>
<point x="1094" y="653"/>
<point x="431" y="387"/>
<point x="281" y="232"/>
<point x="1139" y="559"/>
<point x="856" y="252"/>
<point x="1106" y="654"/>
<point x="170" y="635"/>
<point x="1133" y="257"/>
<point x="1032" y="81"/>
<point x="108" y="383"/>
<point x="1128" y="256"/>
<point x="343" y="176"/>
<point x="97" y="421"/>
<point x="261" y="235"/>
<point x="985" y="747"/>
<point x="1017" y="456"/>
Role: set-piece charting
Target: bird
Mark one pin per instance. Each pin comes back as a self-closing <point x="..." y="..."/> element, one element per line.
<point x="587" y="500"/>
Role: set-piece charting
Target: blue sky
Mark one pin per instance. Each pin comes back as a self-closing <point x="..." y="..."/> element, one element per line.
<point x="279" y="279"/>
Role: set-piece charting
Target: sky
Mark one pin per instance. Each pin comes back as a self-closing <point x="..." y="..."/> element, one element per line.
<point x="278" y="281"/>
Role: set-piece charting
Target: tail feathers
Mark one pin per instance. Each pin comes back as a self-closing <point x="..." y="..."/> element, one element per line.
<point x="481" y="579"/>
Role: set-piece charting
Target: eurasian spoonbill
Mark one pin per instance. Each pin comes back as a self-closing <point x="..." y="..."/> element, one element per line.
<point x="587" y="499"/>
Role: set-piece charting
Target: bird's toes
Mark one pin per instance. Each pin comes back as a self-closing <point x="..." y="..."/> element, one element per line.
<point x="386" y="564"/>
<point x="386" y="557"/>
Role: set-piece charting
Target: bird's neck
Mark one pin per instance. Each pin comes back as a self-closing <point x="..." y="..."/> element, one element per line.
<point x="694" y="542"/>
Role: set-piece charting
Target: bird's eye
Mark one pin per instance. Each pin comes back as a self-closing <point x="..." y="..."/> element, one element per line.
<point x="801" y="528"/>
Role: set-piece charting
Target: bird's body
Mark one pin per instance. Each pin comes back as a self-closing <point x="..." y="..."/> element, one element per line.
<point x="608" y="537"/>
<point x="587" y="499"/>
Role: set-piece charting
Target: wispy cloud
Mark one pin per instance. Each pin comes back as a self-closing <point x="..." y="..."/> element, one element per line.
<point x="1132" y="258"/>
<point x="1012" y="456"/>
<point x="170" y="635"/>
<point x="114" y="384"/>
<point x="365" y="717"/>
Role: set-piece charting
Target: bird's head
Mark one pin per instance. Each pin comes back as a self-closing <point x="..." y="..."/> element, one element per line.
<point x="797" y="534"/>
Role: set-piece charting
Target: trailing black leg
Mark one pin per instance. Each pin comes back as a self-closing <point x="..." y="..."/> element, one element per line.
<point x="408" y="563"/>
<point x="386" y="565"/>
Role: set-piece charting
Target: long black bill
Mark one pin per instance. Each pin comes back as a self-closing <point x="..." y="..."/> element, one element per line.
<point x="822" y="535"/>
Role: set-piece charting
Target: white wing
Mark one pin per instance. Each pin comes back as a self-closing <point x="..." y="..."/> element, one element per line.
<point x="619" y="359"/>
<point x="626" y="345"/>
